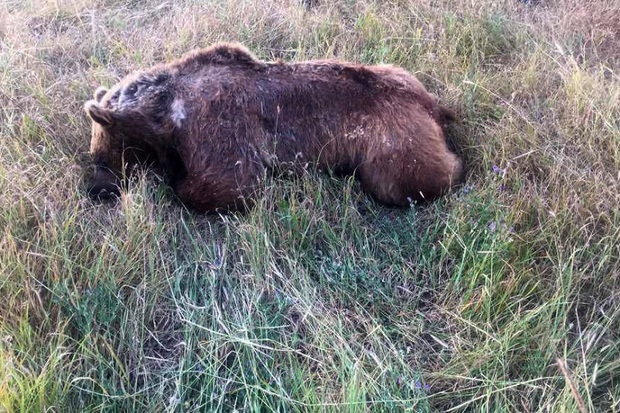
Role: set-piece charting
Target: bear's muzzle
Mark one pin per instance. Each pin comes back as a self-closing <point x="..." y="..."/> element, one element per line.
<point x="103" y="184"/>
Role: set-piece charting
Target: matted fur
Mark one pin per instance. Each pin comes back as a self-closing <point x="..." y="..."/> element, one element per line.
<point x="218" y="118"/>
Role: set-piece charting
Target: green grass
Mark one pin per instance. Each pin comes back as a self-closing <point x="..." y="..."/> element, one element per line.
<point x="319" y="299"/>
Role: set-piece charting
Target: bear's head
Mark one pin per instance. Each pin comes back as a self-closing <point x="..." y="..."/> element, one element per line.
<point x="132" y="124"/>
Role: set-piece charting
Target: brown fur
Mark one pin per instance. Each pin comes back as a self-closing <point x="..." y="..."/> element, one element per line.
<point x="218" y="118"/>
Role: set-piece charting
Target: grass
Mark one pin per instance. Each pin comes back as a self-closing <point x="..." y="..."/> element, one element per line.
<point x="504" y="296"/>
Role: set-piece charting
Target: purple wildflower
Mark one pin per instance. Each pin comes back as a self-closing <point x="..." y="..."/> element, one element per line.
<point x="496" y="169"/>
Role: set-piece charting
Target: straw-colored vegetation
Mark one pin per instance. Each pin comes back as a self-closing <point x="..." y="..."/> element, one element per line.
<point x="502" y="297"/>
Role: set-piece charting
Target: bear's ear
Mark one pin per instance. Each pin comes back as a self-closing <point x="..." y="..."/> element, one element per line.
<point x="99" y="93"/>
<point x="97" y="113"/>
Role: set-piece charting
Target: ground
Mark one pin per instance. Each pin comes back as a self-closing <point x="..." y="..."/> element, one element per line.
<point x="503" y="296"/>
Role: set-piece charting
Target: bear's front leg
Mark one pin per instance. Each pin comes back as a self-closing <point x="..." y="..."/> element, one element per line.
<point x="209" y="192"/>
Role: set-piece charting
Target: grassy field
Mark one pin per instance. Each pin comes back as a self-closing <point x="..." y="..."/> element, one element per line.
<point x="502" y="297"/>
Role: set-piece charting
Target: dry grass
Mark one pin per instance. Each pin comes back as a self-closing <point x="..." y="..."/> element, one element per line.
<point x="319" y="299"/>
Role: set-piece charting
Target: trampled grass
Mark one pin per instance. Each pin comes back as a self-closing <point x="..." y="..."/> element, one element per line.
<point x="504" y="296"/>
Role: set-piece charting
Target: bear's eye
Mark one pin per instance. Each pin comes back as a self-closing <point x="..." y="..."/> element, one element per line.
<point x="132" y="89"/>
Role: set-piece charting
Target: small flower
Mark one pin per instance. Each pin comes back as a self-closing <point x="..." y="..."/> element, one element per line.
<point x="492" y="226"/>
<point x="496" y="169"/>
<point x="467" y="189"/>
<point x="174" y="400"/>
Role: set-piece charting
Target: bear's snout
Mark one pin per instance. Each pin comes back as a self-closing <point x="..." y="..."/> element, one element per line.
<point x="103" y="185"/>
<point x="103" y="191"/>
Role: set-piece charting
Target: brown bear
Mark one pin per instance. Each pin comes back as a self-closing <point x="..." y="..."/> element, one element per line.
<point x="216" y="120"/>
